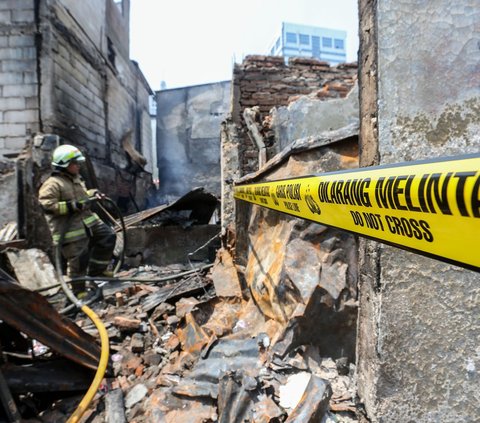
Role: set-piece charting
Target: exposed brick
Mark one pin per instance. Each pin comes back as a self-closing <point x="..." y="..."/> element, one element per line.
<point x="126" y="323"/>
<point x="19" y="90"/>
<point x="31" y="102"/>
<point x="19" y="65"/>
<point x="12" y="103"/>
<point x="79" y="75"/>
<point x="10" y="53"/>
<point x="23" y="15"/>
<point x="10" y="78"/>
<point x="26" y="40"/>
<point x="65" y="88"/>
<point x="132" y="363"/>
<point x="16" y="4"/>
<point x="139" y="370"/>
<point x="267" y="82"/>
<point x="64" y="52"/>
<point x="62" y="61"/>
<point x="16" y="143"/>
<point x="12" y="129"/>
<point x="83" y="67"/>
<point x="21" y="116"/>
<point x="30" y="77"/>
<point x="81" y="102"/>
<point x="29" y="52"/>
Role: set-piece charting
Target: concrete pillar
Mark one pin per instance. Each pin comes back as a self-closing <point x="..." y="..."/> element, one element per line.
<point x="419" y="324"/>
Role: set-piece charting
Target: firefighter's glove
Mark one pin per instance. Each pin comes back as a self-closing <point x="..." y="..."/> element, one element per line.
<point x="75" y="206"/>
<point x="95" y="194"/>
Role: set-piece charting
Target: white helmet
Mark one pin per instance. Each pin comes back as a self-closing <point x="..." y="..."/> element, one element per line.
<point x="64" y="154"/>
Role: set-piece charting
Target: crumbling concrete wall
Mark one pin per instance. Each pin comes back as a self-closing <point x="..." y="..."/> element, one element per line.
<point x="267" y="82"/>
<point x="308" y="117"/>
<point x="188" y="138"/>
<point x="68" y="72"/>
<point x="290" y="106"/>
<point x="418" y="351"/>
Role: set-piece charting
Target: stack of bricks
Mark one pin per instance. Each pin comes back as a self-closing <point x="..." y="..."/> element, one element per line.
<point x="267" y="82"/>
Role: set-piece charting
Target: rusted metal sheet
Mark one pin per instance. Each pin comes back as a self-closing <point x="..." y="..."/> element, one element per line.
<point x="237" y="393"/>
<point x="226" y="356"/>
<point x="162" y="406"/>
<point x="30" y="313"/>
<point x="314" y="402"/>
<point x="265" y="269"/>
<point x="192" y="336"/>
<point x="223" y="317"/>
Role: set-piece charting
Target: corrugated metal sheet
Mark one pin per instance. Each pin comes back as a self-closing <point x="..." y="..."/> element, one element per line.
<point x="30" y="313"/>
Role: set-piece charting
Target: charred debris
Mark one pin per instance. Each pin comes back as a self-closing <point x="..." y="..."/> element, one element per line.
<point x="188" y="340"/>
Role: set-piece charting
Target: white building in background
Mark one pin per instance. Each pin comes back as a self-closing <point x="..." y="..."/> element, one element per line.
<point x="294" y="40"/>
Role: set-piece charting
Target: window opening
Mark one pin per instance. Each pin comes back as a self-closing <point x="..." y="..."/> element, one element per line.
<point x="304" y="39"/>
<point x="291" y="37"/>
<point x="110" y="52"/>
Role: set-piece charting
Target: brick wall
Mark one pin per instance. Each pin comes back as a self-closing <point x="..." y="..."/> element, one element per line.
<point x="66" y="72"/>
<point x="267" y="82"/>
<point x="77" y="106"/>
<point x="98" y="94"/>
<point x="19" y="108"/>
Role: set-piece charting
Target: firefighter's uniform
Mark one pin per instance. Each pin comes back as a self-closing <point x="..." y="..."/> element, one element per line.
<point x="88" y="242"/>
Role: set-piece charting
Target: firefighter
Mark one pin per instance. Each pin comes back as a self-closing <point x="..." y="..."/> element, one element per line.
<point x="88" y="242"/>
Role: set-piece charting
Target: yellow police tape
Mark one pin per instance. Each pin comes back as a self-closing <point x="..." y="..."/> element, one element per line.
<point x="431" y="207"/>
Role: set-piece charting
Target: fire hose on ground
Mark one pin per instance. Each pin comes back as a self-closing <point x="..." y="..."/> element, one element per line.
<point x="104" y="343"/>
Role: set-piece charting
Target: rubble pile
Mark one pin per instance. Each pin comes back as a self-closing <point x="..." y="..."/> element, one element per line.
<point x="180" y="352"/>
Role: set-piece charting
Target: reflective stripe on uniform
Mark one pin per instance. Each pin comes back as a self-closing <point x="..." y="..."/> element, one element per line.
<point x="88" y="221"/>
<point x="70" y="236"/>
<point x="62" y="207"/>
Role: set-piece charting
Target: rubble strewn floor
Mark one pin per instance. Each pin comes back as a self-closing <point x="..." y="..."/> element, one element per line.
<point x="179" y="352"/>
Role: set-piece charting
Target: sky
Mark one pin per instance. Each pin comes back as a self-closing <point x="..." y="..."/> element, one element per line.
<point x="193" y="42"/>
